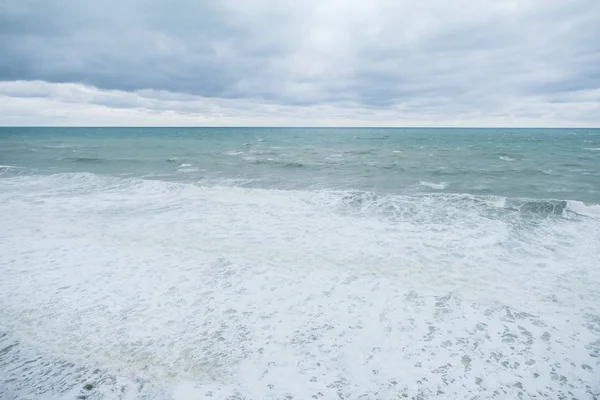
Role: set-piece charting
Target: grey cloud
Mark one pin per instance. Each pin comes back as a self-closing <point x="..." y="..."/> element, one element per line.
<point x="468" y="54"/>
<point x="80" y="94"/>
<point x="119" y="47"/>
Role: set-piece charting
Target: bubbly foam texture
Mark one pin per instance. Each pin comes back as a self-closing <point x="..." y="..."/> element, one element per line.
<point x="590" y="210"/>
<point x="148" y="289"/>
<point x="434" y="185"/>
<point x="9" y="170"/>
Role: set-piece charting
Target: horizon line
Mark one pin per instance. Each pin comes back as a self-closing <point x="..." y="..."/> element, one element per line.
<point x="294" y="127"/>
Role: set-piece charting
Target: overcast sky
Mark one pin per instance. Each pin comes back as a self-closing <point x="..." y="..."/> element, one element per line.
<point x="300" y="63"/>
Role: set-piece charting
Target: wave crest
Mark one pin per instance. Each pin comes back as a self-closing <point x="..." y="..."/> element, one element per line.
<point x="416" y="207"/>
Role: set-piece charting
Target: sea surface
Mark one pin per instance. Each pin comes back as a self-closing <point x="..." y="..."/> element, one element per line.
<point x="276" y="263"/>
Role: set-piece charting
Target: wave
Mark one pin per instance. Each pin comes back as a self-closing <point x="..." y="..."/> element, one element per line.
<point x="99" y="160"/>
<point x="85" y="160"/>
<point x="372" y="137"/>
<point x="420" y="206"/>
<point x="191" y="282"/>
<point x="278" y="163"/>
<point x="434" y="185"/>
<point x="264" y="152"/>
<point x="506" y="158"/>
<point x="581" y="208"/>
<point x="360" y="151"/>
<point x="425" y="206"/>
<point x="537" y="207"/>
<point x="10" y="170"/>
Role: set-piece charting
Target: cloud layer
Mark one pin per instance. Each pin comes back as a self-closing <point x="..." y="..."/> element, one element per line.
<point x="265" y="62"/>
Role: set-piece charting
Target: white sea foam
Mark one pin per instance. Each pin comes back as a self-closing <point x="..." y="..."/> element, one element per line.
<point x="590" y="210"/>
<point x="150" y="289"/>
<point x="6" y="170"/>
<point x="496" y="201"/>
<point x="434" y="185"/>
<point x="506" y="158"/>
<point x="186" y="168"/>
<point x="593" y="148"/>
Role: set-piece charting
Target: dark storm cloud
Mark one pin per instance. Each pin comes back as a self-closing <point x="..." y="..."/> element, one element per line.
<point x="375" y="54"/>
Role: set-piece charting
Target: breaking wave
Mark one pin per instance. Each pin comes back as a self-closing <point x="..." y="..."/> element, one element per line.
<point x="161" y="290"/>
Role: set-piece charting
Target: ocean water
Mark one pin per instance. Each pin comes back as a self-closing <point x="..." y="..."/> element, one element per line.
<point x="246" y="263"/>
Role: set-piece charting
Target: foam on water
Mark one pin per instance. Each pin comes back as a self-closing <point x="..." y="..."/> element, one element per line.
<point x="9" y="170"/>
<point x="590" y="210"/>
<point x="149" y="289"/>
<point x="434" y="185"/>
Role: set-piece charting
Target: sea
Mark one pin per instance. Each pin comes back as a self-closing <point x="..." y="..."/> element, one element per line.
<point x="297" y="263"/>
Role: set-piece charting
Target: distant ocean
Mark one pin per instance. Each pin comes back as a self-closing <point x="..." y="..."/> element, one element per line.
<point x="279" y="263"/>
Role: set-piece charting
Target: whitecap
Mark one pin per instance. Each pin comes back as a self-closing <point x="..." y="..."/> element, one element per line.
<point x="579" y="207"/>
<point x="506" y="158"/>
<point x="497" y="201"/>
<point x="434" y="185"/>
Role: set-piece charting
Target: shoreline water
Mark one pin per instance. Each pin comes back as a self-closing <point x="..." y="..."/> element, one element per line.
<point x="272" y="280"/>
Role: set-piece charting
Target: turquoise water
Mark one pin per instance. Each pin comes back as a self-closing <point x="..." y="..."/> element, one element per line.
<point x="243" y="263"/>
<point x="524" y="163"/>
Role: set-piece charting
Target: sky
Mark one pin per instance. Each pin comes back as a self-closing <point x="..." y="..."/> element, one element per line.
<point x="290" y="63"/>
